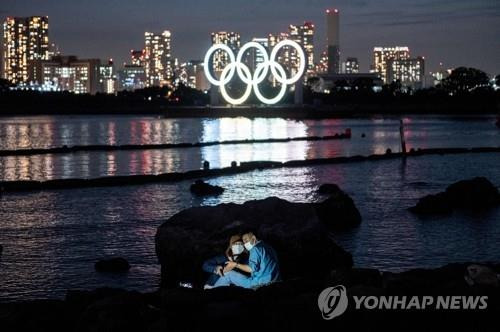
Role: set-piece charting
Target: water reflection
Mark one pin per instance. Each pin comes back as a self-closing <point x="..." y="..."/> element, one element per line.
<point x="380" y="134"/>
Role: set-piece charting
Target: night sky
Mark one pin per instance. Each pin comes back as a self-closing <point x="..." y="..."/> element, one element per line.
<point x="455" y="32"/>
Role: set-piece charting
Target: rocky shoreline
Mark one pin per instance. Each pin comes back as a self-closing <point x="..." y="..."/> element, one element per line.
<point x="289" y="305"/>
<point x="310" y="262"/>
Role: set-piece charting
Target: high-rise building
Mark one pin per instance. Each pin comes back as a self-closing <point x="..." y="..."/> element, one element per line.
<point x="158" y="58"/>
<point x="68" y="73"/>
<point x="333" y="40"/>
<point x="304" y="36"/>
<point x="192" y="75"/>
<point x="137" y="57"/>
<point x="322" y="66"/>
<point x="410" y="72"/>
<point x="53" y="50"/>
<point x="284" y="54"/>
<point x="220" y="58"/>
<point x="256" y="57"/>
<point x="107" y="78"/>
<point x="132" y="77"/>
<point x="381" y="55"/>
<point x="350" y="66"/>
<point x="25" y="39"/>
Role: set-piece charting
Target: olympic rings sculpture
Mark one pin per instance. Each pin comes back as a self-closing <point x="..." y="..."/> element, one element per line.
<point x="236" y="66"/>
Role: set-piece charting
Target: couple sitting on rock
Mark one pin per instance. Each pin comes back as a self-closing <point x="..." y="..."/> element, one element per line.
<point x="247" y="263"/>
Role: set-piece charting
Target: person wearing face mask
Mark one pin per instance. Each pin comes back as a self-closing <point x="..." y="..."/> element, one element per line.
<point x="215" y="265"/>
<point x="262" y="266"/>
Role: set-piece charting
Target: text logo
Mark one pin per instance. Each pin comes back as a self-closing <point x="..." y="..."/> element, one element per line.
<point x="333" y="301"/>
<point x="269" y="63"/>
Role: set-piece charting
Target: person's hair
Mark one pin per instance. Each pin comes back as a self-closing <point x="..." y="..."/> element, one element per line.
<point x="232" y="240"/>
<point x="249" y="231"/>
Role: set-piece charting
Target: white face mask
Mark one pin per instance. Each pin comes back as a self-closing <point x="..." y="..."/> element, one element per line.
<point x="237" y="249"/>
<point x="248" y="246"/>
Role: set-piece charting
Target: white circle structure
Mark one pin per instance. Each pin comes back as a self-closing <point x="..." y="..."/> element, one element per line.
<point x="269" y="63"/>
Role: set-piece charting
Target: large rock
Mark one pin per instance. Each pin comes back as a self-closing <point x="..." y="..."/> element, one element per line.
<point x="474" y="194"/>
<point x="201" y="188"/>
<point x="338" y="212"/>
<point x="301" y="240"/>
<point x="112" y="265"/>
<point x="291" y="305"/>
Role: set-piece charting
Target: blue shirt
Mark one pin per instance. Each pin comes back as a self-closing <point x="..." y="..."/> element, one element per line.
<point x="264" y="264"/>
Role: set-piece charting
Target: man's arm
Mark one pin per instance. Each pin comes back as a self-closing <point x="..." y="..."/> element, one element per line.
<point x="233" y="265"/>
<point x="244" y="267"/>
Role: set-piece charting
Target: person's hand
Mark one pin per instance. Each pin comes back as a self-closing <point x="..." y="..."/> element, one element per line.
<point x="218" y="270"/>
<point x="229" y="266"/>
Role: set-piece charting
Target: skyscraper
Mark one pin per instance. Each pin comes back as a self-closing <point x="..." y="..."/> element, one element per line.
<point x="107" y="77"/>
<point x="137" y="57"/>
<point x="381" y="55"/>
<point x="220" y="58"/>
<point x="256" y="57"/>
<point x="131" y="77"/>
<point x="158" y="58"/>
<point x="333" y="40"/>
<point x="284" y="55"/>
<point x="25" y="39"/>
<point x="410" y="72"/>
<point x="304" y="36"/>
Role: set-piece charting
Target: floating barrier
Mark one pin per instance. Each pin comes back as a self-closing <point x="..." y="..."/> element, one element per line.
<point x="105" y="148"/>
<point x="13" y="186"/>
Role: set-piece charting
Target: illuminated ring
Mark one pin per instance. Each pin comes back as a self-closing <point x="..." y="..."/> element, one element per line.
<point x="260" y="74"/>
<point x="300" y="53"/>
<point x="281" y="94"/>
<point x="248" y="75"/>
<point x="239" y="57"/>
<point x="206" y="64"/>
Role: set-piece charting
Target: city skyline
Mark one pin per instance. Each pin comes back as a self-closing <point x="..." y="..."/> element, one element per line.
<point x="463" y="34"/>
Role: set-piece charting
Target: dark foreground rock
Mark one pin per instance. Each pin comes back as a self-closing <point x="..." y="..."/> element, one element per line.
<point x="112" y="265"/>
<point x="291" y="305"/>
<point x="201" y="188"/>
<point x="338" y="212"/>
<point x="297" y="232"/>
<point x="474" y="194"/>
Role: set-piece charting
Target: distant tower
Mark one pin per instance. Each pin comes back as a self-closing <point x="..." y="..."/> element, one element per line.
<point x="256" y="57"/>
<point x="333" y="40"/>
<point x="382" y="55"/>
<point x="304" y="36"/>
<point x="158" y="58"/>
<point x="221" y="58"/>
<point x="25" y="40"/>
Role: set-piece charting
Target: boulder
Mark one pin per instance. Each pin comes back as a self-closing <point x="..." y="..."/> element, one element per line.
<point x="201" y="188"/>
<point x="473" y="194"/>
<point x="112" y="265"/>
<point x="301" y="240"/>
<point x="338" y="212"/>
<point x="476" y="193"/>
<point x="329" y="189"/>
<point x="123" y="311"/>
<point x="433" y="204"/>
<point x="481" y="275"/>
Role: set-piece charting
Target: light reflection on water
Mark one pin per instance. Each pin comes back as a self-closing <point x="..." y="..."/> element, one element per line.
<point x="51" y="239"/>
<point x="381" y="134"/>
